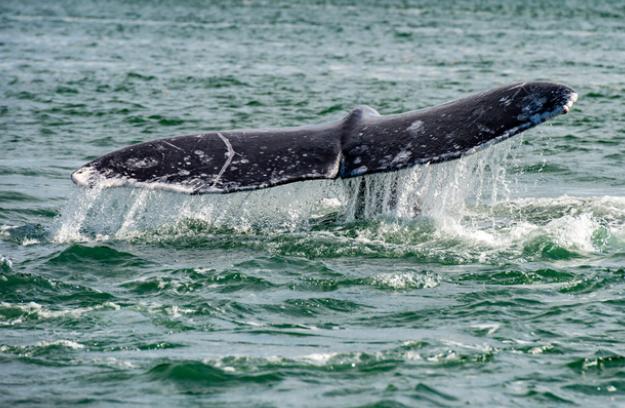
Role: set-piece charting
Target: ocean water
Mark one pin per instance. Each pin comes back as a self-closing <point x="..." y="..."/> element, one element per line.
<point x="499" y="279"/>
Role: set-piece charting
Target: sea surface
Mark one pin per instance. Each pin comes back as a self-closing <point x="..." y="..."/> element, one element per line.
<point x="498" y="280"/>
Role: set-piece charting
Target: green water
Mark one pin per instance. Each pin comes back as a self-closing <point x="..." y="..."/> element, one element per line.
<point x="498" y="281"/>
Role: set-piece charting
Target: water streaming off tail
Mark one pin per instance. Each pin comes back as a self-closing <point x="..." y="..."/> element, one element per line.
<point x="437" y="191"/>
<point x="442" y="192"/>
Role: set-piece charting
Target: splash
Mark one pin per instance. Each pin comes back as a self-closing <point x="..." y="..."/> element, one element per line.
<point x="469" y="208"/>
<point x="74" y="215"/>
<point x="125" y="213"/>
<point x="437" y="191"/>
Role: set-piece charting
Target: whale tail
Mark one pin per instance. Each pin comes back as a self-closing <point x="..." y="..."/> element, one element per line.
<point x="364" y="142"/>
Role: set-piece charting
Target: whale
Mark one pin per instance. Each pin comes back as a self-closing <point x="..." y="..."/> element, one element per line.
<point x="362" y="142"/>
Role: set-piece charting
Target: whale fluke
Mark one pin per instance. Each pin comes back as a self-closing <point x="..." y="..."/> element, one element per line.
<point x="363" y="142"/>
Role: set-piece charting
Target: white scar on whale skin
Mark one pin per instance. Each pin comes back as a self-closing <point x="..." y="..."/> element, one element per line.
<point x="173" y="145"/>
<point x="231" y="154"/>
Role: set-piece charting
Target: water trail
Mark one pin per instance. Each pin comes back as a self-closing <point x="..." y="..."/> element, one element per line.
<point x="74" y="215"/>
<point x="446" y="192"/>
<point x="137" y="207"/>
<point x="123" y="213"/>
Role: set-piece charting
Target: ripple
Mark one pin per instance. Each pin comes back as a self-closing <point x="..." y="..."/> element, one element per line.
<point x="313" y="306"/>
<point x="191" y="280"/>
<point x="194" y="376"/>
<point x="516" y="277"/>
<point x="604" y="364"/>
<point x="12" y="314"/>
<point x="80" y="256"/>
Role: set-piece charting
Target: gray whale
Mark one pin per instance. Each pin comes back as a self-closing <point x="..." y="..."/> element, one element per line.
<point x="363" y="142"/>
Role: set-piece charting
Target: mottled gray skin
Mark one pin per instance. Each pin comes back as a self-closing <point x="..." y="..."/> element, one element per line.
<point x="364" y="142"/>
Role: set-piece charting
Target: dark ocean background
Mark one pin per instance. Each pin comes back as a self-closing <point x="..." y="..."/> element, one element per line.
<point x="504" y="288"/>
